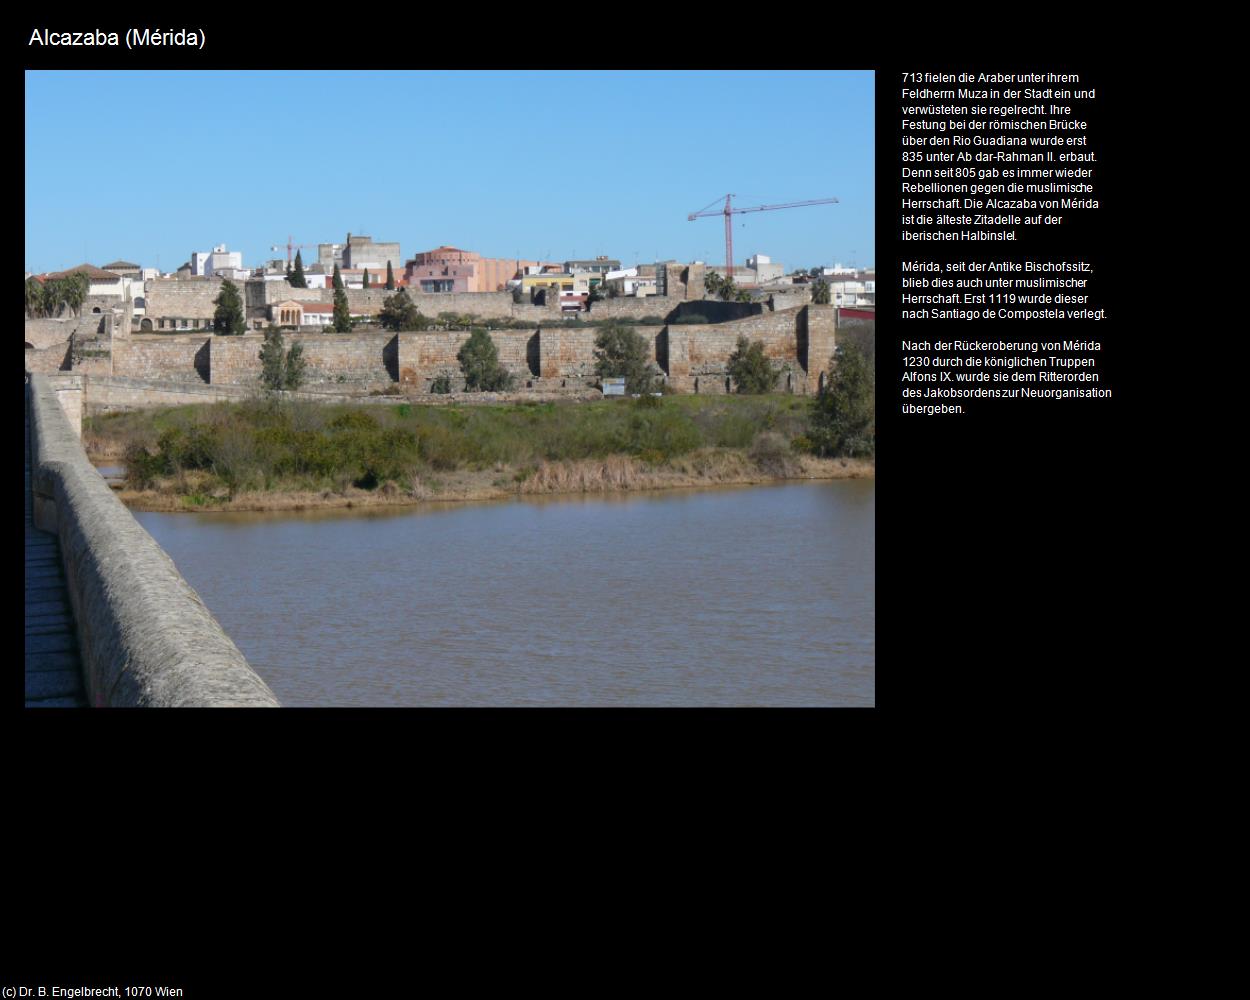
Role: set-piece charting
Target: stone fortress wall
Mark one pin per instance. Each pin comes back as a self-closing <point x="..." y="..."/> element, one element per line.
<point x="692" y="357"/>
<point x="549" y="356"/>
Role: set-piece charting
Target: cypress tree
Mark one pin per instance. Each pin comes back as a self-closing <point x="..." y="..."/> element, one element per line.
<point x="228" y="316"/>
<point x="390" y="277"/>
<point x="365" y="280"/>
<point x="342" y="315"/>
<point x="338" y="279"/>
<point x="272" y="359"/>
<point x="297" y="279"/>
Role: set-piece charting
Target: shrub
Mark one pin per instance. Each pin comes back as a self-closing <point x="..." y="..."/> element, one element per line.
<point x="773" y="455"/>
<point x="142" y="468"/>
<point x="281" y="369"/>
<point x="844" y="413"/>
<point x="751" y="371"/>
<point x="479" y="360"/>
<point x="441" y="384"/>
<point x="622" y="353"/>
<point x="399" y="313"/>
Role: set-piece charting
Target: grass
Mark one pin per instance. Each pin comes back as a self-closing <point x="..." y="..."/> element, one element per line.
<point x="211" y="453"/>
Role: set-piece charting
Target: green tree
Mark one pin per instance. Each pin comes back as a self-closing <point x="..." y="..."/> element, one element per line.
<point x="390" y="277"/>
<point x="48" y="297"/>
<point x="844" y="415"/>
<point x="751" y="372"/>
<point x="400" y="313"/>
<point x="820" y="293"/>
<point x="479" y="361"/>
<point x="622" y="353"/>
<point x="52" y="297"/>
<point x="272" y="359"/>
<point x="34" y="297"/>
<point x="724" y="288"/>
<point x="338" y="278"/>
<point x="74" y="289"/>
<point x="296" y="369"/>
<point x="364" y="281"/>
<point x="342" y="315"/>
<point x="280" y="368"/>
<point x="228" y="317"/>
<point x="297" y="279"/>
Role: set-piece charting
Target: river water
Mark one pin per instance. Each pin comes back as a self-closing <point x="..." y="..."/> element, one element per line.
<point x="740" y="596"/>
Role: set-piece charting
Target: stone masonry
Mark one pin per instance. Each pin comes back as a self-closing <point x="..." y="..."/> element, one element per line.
<point x="551" y="355"/>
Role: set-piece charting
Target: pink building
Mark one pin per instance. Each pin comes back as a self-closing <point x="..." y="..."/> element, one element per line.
<point x="481" y="274"/>
<point x="440" y="277"/>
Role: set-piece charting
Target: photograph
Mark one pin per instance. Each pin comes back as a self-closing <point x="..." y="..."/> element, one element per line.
<point x="516" y="388"/>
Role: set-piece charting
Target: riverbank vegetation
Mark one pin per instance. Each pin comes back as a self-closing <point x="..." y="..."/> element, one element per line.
<point x="276" y="453"/>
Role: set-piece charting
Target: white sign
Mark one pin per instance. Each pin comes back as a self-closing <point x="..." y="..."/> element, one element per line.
<point x="614" y="387"/>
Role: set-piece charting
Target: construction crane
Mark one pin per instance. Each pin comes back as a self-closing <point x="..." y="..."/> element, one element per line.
<point x="728" y="211"/>
<point x="293" y="246"/>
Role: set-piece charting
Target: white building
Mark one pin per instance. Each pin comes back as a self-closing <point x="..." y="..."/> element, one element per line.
<point x="851" y="291"/>
<point x="217" y="259"/>
<point x="628" y="282"/>
<point x="764" y="268"/>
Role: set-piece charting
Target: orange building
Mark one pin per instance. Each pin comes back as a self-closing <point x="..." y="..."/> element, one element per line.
<point x="490" y="274"/>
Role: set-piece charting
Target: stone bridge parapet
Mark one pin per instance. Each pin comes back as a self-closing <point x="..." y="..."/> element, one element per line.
<point x="145" y="637"/>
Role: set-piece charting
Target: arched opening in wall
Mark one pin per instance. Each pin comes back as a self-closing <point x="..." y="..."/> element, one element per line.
<point x="145" y="325"/>
<point x="696" y="387"/>
<point x="789" y="381"/>
<point x="30" y="347"/>
<point x="820" y="383"/>
<point x="96" y="309"/>
<point x="727" y="389"/>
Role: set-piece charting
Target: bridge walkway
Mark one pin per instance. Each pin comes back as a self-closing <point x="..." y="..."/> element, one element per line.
<point x="53" y="666"/>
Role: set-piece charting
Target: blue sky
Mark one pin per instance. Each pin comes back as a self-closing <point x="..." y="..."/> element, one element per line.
<point x="540" y="164"/>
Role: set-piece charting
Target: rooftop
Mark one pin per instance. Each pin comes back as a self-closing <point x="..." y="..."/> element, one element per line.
<point x="89" y="269"/>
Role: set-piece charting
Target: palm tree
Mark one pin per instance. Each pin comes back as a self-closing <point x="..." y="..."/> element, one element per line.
<point x="75" y="289"/>
<point x="53" y="296"/>
<point x="34" y="297"/>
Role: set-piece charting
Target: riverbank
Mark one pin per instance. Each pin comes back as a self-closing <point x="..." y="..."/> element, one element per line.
<point x="264" y="456"/>
<point x="618" y="474"/>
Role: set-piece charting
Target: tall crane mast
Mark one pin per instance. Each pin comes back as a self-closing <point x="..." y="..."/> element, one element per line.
<point x="728" y="211"/>
<point x="293" y="246"/>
